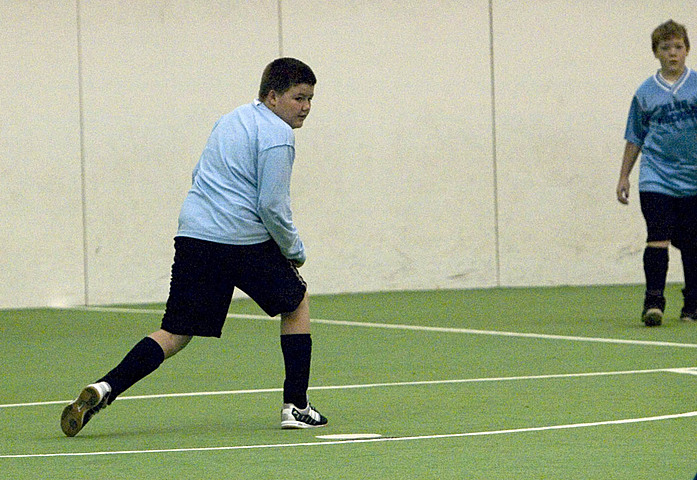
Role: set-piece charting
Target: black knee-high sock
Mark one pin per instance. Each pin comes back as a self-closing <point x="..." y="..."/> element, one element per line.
<point x="656" y="269"/>
<point x="689" y="266"/>
<point x="141" y="361"/>
<point x="297" y="353"/>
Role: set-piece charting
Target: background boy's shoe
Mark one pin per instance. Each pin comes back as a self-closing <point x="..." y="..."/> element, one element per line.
<point x="688" y="315"/>
<point x="91" y="400"/>
<point x="654" y="305"/>
<point x="308" y="417"/>
<point x="652" y="317"/>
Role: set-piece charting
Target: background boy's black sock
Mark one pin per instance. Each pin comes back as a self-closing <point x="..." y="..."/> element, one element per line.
<point x="689" y="266"/>
<point x="297" y="353"/>
<point x="141" y="361"/>
<point x="655" y="269"/>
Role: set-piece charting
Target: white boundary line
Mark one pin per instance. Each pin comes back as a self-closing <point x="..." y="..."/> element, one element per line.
<point x="370" y="440"/>
<point x="420" y="328"/>
<point x="682" y="370"/>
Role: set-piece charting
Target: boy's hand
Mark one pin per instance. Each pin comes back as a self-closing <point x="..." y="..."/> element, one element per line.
<point x="623" y="191"/>
<point x="631" y="153"/>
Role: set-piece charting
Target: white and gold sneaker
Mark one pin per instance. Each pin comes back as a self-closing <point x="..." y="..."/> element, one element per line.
<point x="91" y="400"/>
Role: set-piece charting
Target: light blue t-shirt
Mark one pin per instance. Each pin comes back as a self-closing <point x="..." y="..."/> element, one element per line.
<point x="663" y="122"/>
<point x="240" y="192"/>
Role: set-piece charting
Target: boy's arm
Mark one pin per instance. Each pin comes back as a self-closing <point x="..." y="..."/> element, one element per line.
<point x="631" y="153"/>
<point x="275" y="166"/>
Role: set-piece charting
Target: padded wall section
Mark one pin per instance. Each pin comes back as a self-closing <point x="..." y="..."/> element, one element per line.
<point x="396" y="183"/>
<point x="158" y="74"/>
<point x="40" y="213"/>
<point x="565" y="76"/>
<point x="393" y="183"/>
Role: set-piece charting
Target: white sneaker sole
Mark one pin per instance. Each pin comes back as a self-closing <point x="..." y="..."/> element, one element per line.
<point x="294" y="424"/>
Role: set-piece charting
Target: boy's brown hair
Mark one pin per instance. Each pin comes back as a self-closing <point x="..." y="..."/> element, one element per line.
<point x="284" y="73"/>
<point x="668" y="30"/>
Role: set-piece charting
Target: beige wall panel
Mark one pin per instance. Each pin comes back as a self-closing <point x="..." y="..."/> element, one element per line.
<point x="158" y="74"/>
<point x="41" y="232"/>
<point x="394" y="179"/>
<point x="393" y="184"/>
<point x="565" y="75"/>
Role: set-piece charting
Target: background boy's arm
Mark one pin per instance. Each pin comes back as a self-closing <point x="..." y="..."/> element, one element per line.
<point x="631" y="153"/>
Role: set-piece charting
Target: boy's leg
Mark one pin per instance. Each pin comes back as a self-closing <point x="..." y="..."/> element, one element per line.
<point x="199" y="299"/>
<point x="689" y="263"/>
<point x="143" y="359"/>
<point x="298" y="321"/>
<point x="170" y="343"/>
<point x="655" y="270"/>
<point x="296" y="345"/>
<point x="686" y="241"/>
<point x="275" y="284"/>
<point x="660" y="215"/>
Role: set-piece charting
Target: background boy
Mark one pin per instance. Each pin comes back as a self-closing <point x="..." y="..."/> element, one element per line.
<point x="235" y="230"/>
<point x="662" y="125"/>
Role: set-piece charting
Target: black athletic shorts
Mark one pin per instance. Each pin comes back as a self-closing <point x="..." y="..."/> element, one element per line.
<point x="205" y="274"/>
<point x="670" y="218"/>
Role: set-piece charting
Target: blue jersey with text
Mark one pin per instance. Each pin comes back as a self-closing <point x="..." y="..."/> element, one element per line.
<point x="663" y="122"/>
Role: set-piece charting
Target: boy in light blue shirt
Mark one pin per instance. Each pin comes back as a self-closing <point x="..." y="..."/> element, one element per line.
<point x="240" y="192"/>
<point x="235" y="231"/>
<point x="662" y="126"/>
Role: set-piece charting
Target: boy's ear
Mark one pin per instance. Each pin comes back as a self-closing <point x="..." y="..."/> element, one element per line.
<point x="272" y="97"/>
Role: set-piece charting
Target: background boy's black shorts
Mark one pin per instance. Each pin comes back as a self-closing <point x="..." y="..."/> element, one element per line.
<point x="205" y="274"/>
<point x="670" y="218"/>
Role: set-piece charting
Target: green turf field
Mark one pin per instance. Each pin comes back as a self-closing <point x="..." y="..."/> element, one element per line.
<point x="534" y="383"/>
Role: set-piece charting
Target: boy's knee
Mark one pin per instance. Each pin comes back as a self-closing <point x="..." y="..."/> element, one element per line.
<point x="171" y="343"/>
<point x="297" y="321"/>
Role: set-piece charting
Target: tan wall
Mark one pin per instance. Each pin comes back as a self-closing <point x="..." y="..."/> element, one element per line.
<point x="41" y="248"/>
<point x="565" y="75"/>
<point x="157" y="75"/>
<point x="397" y="184"/>
<point x="394" y="184"/>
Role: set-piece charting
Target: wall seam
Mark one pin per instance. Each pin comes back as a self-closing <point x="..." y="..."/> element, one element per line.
<point x="494" y="144"/>
<point x="83" y="168"/>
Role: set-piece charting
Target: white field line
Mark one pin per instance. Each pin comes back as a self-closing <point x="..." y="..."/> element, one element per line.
<point x="420" y="328"/>
<point x="370" y="440"/>
<point x="685" y="370"/>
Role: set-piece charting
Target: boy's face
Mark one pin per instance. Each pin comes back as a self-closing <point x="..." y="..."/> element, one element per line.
<point x="672" y="54"/>
<point x="294" y="105"/>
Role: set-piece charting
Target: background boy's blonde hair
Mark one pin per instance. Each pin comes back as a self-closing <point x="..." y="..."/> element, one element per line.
<point x="667" y="31"/>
